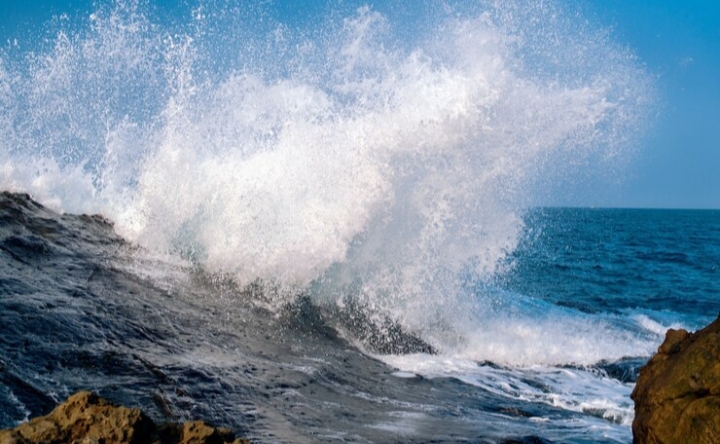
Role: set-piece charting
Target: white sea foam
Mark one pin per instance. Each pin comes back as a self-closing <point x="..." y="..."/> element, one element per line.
<point x="350" y="163"/>
<point x="656" y="327"/>
<point x="569" y="389"/>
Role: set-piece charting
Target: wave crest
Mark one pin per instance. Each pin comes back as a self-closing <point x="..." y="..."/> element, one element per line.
<point x="351" y="163"/>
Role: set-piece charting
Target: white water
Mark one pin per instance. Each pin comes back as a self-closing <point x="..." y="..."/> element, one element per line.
<point x="605" y="402"/>
<point x="353" y="162"/>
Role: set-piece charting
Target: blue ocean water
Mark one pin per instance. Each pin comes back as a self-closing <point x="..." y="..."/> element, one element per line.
<point x="81" y="308"/>
<point x="582" y="303"/>
<point x="319" y="232"/>
<point x="662" y="263"/>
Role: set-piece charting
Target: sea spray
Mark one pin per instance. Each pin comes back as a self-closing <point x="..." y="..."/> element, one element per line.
<point x="348" y="163"/>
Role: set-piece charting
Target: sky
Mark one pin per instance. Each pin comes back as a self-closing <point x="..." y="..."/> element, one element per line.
<point x="678" y="41"/>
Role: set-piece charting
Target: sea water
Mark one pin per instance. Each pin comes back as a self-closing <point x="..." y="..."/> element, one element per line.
<point x="295" y="195"/>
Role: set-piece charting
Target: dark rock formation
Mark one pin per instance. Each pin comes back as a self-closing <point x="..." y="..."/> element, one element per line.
<point x="677" y="395"/>
<point x="87" y="418"/>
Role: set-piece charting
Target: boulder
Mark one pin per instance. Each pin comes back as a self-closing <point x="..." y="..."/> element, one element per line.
<point x="677" y="394"/>
<point x="88" y="418"/>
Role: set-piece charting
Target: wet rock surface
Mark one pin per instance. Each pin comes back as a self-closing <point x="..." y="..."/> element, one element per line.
<point x="88" y="418"/>
<point x="677" y="396"/>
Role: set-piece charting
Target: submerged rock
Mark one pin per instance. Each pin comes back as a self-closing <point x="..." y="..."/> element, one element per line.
<point x="677" y="395"/>
<point x="88" y="418"/>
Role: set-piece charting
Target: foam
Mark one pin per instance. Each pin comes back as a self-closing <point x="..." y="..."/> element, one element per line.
<point x="555" y="337"/>
<point x="357" y="164"/>
<point x="656" y="327"/>
<point x="564" y="388"/>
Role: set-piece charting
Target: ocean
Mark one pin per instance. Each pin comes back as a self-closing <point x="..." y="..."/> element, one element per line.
<point x="584" y="303"/>
<point x="335" y="229"/>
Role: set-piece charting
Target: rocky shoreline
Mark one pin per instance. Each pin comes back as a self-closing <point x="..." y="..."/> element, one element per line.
<point x="677" y="394"/>
<point x="89" y="419"/>
<point x="677" y="400"/>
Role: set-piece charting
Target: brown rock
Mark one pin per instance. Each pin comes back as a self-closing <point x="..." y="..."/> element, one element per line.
<point x="84" y="416"/>
<point x="677" y="395"/>
<point x="197" y="432"/>
<point x="87" y="418"/>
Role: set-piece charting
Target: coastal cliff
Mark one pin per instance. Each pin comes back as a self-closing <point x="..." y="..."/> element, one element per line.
<point x="677" y="395"/>
<point x="88" y="418"/>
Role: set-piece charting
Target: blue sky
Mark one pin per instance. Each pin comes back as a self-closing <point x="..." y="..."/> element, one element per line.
<point x="678" y="41"/>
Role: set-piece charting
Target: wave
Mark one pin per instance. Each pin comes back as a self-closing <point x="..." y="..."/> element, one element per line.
<point x="360" y="163"/>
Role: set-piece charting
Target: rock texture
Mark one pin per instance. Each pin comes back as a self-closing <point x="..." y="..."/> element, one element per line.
<point x="87" y="418"/>
<point x="677" y="395"/>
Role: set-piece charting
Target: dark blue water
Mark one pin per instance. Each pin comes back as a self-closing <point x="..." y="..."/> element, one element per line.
<point x="661" y="262"/>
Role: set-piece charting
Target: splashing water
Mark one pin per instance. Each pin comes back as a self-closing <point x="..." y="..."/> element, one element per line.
<point x="351" y="163"/>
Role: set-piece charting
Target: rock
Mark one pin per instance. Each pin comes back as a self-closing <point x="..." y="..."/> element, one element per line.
<point x="197" y="432"/>
<point x="677" y="395"/>
<point x="87" y="418"/>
